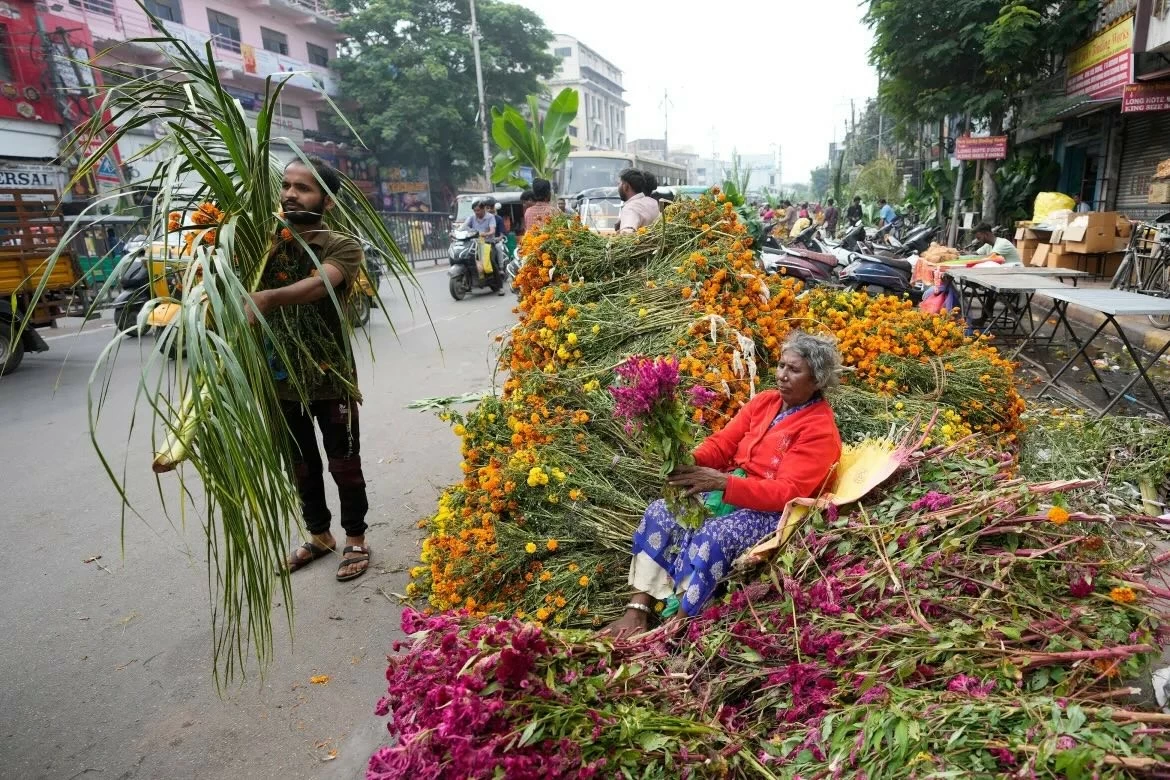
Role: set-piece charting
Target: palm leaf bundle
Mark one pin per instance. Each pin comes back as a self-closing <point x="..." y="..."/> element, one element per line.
<point x="217" y="407"/>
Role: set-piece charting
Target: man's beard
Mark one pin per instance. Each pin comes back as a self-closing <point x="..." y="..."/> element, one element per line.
<point x="302" y="217"/>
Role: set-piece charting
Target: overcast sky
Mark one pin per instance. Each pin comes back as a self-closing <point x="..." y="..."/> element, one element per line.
<point x="742" y="74"/>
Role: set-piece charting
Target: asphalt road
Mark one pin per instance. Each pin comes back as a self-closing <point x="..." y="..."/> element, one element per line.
<point x="107" y="665"/>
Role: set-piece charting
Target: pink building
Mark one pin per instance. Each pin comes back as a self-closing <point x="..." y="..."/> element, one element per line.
<point x="253" y="39"/>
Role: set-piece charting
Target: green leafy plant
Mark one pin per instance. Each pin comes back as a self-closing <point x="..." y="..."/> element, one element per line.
<point x="879" y="179"/>
<point x="539" y="143"/>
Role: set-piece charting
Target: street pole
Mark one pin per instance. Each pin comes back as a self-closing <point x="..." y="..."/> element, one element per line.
<point x="487" y="149"/>
<point x="953" y="233"/>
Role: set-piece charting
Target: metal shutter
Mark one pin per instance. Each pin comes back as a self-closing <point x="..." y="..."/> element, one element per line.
<point x="1145" y="143"/>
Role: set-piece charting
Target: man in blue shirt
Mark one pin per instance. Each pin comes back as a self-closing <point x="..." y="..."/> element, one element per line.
<point x="886" y="214"/>
<point x="481" y="221"/>
<point x="490" y="227"/>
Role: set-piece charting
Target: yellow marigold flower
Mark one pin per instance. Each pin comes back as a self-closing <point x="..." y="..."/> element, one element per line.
<point x="642" y="312"/>
<point x="1123" y="595"/>
<point x="552" y="545"/>
<point x="1058" y="515"/>
<point x="576" y="495"/>
<point x="459" y="429"/>
<point x="530" y="548"/>
<point x="584" y="581"/>
<point x="571" y="338"/>
<point x="542" y="614"/>
<point x="596" y="329"/>
<point x="545" y="576"/>
<point x="560" y="601"/>
<point x="591" y="385"/>
<point x="573" y="567"/>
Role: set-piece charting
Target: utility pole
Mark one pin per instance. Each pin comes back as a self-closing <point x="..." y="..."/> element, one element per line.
<point x="483" y="119"/>
<point x="665" y="123"/>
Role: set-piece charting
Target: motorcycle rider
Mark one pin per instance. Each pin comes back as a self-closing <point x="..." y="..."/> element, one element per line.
<point x="485" y="223"/>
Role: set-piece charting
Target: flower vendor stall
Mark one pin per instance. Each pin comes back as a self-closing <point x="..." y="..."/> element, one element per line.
<point x="982" y="613"/>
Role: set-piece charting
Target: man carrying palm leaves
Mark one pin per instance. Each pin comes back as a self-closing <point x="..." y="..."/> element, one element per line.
<point x="294" y="299"/>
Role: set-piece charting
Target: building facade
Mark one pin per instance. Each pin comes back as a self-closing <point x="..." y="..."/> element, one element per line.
<point x="1115" y="126"/>
<point x="252" y="41"/>
<point x="601" y="118"/>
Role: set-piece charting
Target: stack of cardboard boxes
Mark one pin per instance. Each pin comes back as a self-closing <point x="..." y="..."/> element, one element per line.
<point x="1094" y="241"/>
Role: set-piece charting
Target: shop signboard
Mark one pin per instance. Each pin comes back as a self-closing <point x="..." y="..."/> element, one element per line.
<point x="991" y="147"/>
<point x="405" y="189"/>
<point x="31" y="177"/>
<point x="1138" y="98"/>
<point x="1100" y="68"/>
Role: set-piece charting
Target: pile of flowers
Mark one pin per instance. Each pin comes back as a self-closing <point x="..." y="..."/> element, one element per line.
<point x="964" y="624"/>
<point x="688" y="291"/>
<point x="963" y="621"/>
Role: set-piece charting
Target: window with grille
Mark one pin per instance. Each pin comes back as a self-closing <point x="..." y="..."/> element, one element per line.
<point x="274" y="41"/>
<point x="318" y="55"/>
<point x="170" y="10"/>
<point x="105" y="7"/>
<point x="225" y="30"/>
<point x="289" y="112"/>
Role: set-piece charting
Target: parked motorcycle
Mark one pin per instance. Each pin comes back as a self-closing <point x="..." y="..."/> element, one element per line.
<point x="464" y="276"/>
<point x="882" y="276"/>
<point x="513" y="270"/>
<point x="805" y="258"/>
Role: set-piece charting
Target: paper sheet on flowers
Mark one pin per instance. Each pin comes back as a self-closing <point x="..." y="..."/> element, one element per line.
<point x="961" y="619"/>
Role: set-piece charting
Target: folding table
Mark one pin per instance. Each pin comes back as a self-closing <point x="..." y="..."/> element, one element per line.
<point x="1027" y="281"/>
<point x="1110" y="304"/>
<point x="1006" y="289"/>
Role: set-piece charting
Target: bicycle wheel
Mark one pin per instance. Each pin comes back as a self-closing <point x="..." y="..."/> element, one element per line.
<point x="1121" y="277"/>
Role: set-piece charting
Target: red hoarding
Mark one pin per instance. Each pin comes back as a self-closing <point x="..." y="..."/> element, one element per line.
<point x="1146" y="97"/>
<point x="992" y="147"/>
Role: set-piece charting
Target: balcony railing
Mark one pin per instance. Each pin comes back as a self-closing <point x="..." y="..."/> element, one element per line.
<point x="126" y="23"/>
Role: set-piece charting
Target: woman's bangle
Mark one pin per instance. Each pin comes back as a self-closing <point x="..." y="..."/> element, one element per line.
<point x="640" y="607"/>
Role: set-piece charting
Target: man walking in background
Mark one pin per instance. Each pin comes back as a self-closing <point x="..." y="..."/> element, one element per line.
<point x="886" y="213"/>
<point x="853" y="213"/>
<point x="831" y="217"/>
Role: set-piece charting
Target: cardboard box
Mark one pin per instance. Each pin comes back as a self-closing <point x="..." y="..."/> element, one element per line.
<point x="1159" y="192"/>
<point x="1027" y="248"/>
<point x="1040" y="255"/>
<point x="1124" y="227"/>
<point x="1021" y="233"/>
<point x="1058" y="259"/>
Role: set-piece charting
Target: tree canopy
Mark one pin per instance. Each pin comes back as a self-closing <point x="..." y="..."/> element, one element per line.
<point x="978" y="56"/>
<point x="408" y="77"/>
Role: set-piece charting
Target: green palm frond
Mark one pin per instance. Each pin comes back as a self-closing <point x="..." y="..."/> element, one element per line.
<point x="217" y="407"/>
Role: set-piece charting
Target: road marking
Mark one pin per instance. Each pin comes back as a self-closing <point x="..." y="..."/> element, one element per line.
<point x="86" y="332"/>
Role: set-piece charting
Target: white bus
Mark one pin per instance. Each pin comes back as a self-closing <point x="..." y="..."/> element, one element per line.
<point x="586" y="170"/>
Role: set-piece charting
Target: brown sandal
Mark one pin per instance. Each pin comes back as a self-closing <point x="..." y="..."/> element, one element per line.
<point x="296" y="562"/>
<point x="365" y="556"/>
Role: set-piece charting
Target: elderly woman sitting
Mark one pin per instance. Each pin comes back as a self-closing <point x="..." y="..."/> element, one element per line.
<point x="783" y="444"/>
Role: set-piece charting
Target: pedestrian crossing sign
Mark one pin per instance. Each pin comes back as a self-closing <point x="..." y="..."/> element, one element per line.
<point x="106" y="169"/>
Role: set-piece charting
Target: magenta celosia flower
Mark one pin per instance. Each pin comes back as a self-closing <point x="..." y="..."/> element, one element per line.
<point x="701" y="396"/>
<point x="1003" y="756"/>
<point x="645" y="383"/>
<point x="933" y="502"/>
<point x="1080" y="584"/>
<point x="965" y="683"/>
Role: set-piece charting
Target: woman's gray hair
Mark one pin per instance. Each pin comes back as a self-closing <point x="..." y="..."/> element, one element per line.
<point x="821" y="354"/>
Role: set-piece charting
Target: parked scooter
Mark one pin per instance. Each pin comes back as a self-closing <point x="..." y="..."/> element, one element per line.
<point x="144" y="279"/>
<point x="803" y="258"/>
<point x="882" y="276"/>
<point x="464" y="276"/>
